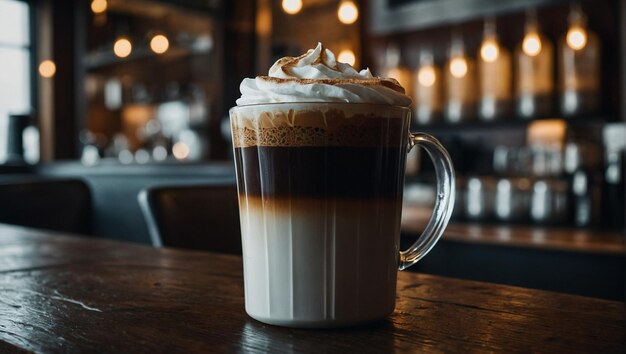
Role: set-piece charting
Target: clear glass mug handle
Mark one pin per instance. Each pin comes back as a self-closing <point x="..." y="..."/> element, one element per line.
<point x="444" y="200"/>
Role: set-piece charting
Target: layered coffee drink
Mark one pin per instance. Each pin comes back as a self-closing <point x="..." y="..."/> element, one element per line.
<point x="320" y="151"/>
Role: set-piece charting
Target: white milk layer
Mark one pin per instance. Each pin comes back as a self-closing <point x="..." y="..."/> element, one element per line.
<point x="320" y="262"/>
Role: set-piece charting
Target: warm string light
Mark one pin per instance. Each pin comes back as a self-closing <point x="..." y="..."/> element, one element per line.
<point x="347" y="56"/>
<point x="576" y="37"/>
<point x="531" y="45"/>
<point x="426" y="76"/>
<point x="99" y="6"/>
<point x="292" y="7"/>
<point x="122" y="47"/>
<point x="159" y="44"/>
<point x="347" y="12"/>
<point x="47" y="69"/>
<point x="489" y="50"/>
<point x="458" y="67"/>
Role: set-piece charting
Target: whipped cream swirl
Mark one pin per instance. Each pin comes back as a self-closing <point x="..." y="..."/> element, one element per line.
<point x="318" y="77"/>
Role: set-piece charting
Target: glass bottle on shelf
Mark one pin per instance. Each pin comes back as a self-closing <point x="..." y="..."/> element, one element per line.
<point x="534" y="71"/>
<point x="614" y="179"/>
<point x="494" y="70"/>
<point x="395" y="68"/>
<point x="427" y="89"/>
<point x="579" y="67"/>
<point x="460" y="99"/>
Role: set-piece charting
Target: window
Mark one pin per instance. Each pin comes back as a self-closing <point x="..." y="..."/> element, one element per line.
<point x="15" y="64"/>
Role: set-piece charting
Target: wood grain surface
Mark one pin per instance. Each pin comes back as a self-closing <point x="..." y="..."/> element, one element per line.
<point x="61" y="293"/>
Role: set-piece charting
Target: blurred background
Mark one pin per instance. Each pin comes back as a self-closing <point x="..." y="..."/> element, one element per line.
<point x="529" y="96"/>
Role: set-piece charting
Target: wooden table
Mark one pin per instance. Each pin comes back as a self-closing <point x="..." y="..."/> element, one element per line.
<point x="62" y="293"/>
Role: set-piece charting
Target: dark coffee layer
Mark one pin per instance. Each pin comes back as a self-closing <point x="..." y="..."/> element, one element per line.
<point x="321" y="172"/>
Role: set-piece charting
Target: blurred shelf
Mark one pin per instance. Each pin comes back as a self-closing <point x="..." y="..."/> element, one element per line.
<point x="112" y="167"/>
<point x="106" y="58"/>
<point x="511" y="123"/>
<point x="156" y="8"/>
<point x="411" y="15"/>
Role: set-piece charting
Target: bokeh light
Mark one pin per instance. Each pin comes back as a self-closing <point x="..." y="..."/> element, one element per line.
<point x="122" y="47"/>
<point x="347" y="12"/>
<point x="458" y="67"/>
<point x="347" y="56"/>
<point x="426" y="76"/>
<point x="47" y="69"/>
<point x="576" y="37"/>
<point x="489" y="50"/>
<point x="292" y="7"/>
<point x="159" y="44"/>
<point x="531" y="45"/>
<point x="180" y="150"/>
<point x="99" y="6"/>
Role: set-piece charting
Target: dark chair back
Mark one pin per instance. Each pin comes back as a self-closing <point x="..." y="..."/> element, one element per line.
<point x="60" y="205"/>
<point x="194" y="217"/>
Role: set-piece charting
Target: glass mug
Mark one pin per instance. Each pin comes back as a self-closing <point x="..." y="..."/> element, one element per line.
<point x="320" y="198"/>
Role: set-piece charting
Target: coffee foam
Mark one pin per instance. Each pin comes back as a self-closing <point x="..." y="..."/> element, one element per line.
<point x="317" y="63"/>
<point x="324" y="57"/>
<point x="324" y="125"/>
<point x="317" y="76"/>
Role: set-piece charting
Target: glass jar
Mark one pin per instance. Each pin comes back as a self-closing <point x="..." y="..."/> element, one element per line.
<point x="494" y="74"/>
<point x="534" y="85"/>
<point x="460" y="101"/>
<point x="579" y="67"/>
<point x="427" y="90"/>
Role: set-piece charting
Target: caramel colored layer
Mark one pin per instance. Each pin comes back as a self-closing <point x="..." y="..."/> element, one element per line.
<point x="253" y="126"/>
<point x="389" y="83"/>
<point x="373" y="208"/>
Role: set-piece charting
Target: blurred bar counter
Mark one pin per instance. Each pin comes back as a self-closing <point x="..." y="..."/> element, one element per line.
<point x="580" y="261"/>
<point x="541" y="237"/>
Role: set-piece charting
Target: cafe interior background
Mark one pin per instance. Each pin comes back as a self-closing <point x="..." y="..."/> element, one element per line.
<point x="528" y="96"/>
